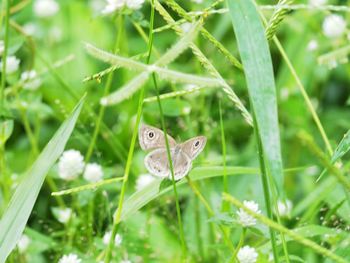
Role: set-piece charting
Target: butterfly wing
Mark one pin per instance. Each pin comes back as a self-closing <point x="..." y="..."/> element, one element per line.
<point x="152" y="138"/>
<point x="157" y="163"/>
<point x="194" y="146"/>
<point x="182" y="165"/>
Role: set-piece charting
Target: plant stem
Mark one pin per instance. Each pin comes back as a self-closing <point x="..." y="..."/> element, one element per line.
<point x="4" y="56"/>
<point x="298" y="238"/>
<point x="240" y="243"/>
<point x="225" y="205"/>
<point x="266" y="188"/>
<point x="117" y="216"/>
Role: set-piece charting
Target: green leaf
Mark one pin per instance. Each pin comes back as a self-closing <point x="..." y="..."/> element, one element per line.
<point x="257" y="64"/>
<point x="6" y="128"/>
<point x="342" y="148"/>
<point x="16" y="216"/>
<point x="142" y="197"/>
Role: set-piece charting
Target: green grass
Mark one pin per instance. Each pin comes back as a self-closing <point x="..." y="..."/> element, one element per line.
<point x="243" y="73"/>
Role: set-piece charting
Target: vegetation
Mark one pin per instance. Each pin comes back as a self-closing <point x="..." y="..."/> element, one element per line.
<point x="265" y="83"/>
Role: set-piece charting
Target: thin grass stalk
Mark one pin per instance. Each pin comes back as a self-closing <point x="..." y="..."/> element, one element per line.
<point x="178" y="210"/>
<point x="105" y="92"/>
<point x="208" y="65"/>
<point x="266" y="189"/>
<point x="240" y="244"/>
<point x="4" y="55"/>
<point x="97" y="127"/>
<point x="225" y="205"/>
<point x="117" y="216"/>
<point x="210" y="212"/>
<point x="298" y="238"/>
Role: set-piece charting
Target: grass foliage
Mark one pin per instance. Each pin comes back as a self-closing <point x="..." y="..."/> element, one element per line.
<point x="266" y="83"/>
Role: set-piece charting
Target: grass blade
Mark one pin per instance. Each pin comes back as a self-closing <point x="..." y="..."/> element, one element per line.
<point x="256" y="59"/>
<point x="16" y="216"/>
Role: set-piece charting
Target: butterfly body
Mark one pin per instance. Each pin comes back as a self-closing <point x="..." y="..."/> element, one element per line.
<point x="182" y="155"/>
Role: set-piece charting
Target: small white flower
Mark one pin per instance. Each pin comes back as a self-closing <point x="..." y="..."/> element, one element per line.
<point x="93" y="172"/>
<point x="12" y="64"/>
<point x="317" y="2"/>
<point x="244" y="218"/>
<point x="70" y="258"/>
<point x="64" y="214"/>
<point x="143" y="180"/>
<point x="247" y="254"/>
<point x="30" y="29"/>
<point x="2" y="47"/>
<point x="56" y="33"/>
<point x="45" y="8"/>
<point x="117" y="240"/>
<point x="23" y="243"/>
<point x="125" y="261"/>
<point x="70" y="165"/>
<point x="113" y="5"/>
<point x="197" y="1"/>
<point x="134" y="4"/>
<point x="312" y="45"/>
<point x="334" y="26"/>
<point x="284" y="208"/>
<point x="30" y="80"/>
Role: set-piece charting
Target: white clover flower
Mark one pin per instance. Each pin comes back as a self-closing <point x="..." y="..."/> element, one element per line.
<point x="70" y="258"/>
<point x="284" y="208"/>
<point x="317" y="2"/>
<point x="30" y="80"/>
<point x="117" y="240"/>
<point x="63" y="215"/>
<point x="334" y="26"/>
<point x="247" y="254"/>
<point x="2" y="47"/>
<point x="134" y="4"/>
<point x="143" y="180"/>
<point x="45" y="8"/>
<point x="30" y="29"/>
<point x="23" y="243"/>
<point x="112" y="6"/>
<point x="12" y="64"/>
<point x="70" y="165"/>
<point x="312" y="45"/>
<point x="93" y="172"/>
<point x="244" y="218"/>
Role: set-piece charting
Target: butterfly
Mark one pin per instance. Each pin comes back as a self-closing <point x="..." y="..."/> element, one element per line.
<point x="182" y="155"/>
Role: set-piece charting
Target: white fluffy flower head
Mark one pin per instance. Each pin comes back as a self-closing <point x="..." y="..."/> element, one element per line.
<point x="284" y="208"/>
<point x="312" y="45"/>
<point x="12" y="64"/>
<point x="114" y="5"/>
<point x="244" y="218"/>
<point x="317" y="2"/>
<point x="70" y="165"/>
<point x="2" y="47"/>
<point x="143" y="180"/>
<point x="117" y="240"/>
<point x="23" y="243"/>
<point x="45" y="8"/>
<point x="30" y="80"/>
<point x="64" y="214"/>
<point x="70" y="258"/>
<point x="93" y="172"/>
<point x="334" y="26"/>
<point x="247" y="254"/>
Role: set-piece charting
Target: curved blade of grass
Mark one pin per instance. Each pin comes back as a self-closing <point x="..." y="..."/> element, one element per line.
<point x="256" y="59"/>
<point x="141" y="198"/>
<point x="16" y="216"/>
